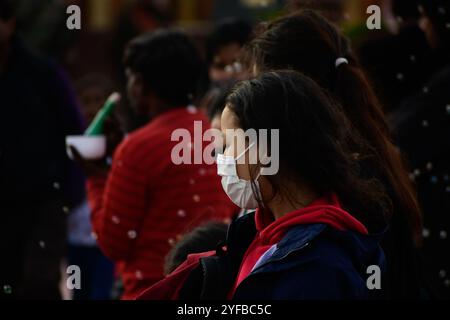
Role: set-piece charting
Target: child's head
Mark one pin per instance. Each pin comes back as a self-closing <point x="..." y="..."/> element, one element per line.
<point x="224" y="49"/>
<point x="202" y="239"/>
<point x="93" y="90"/>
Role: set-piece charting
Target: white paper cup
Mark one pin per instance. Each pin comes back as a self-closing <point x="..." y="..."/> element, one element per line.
<point x="89" y="147"/>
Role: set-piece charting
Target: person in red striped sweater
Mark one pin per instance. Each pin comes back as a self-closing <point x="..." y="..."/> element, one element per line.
<point x="146" y="202"/>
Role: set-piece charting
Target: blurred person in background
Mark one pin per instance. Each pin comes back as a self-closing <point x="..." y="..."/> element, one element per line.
<point x="98" y="271"/>
<point x="38" y="184"/>
<point x="223" y="50"/>
<point x="43" y="26"/>
<point x="397" y="63"/>
<point x="93" y="89"/>
<point x="145" y="202"/>
<point x="422" y="128"/>
<point x="306" y="42"/>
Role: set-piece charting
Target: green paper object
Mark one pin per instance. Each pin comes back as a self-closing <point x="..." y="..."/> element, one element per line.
<point x="96" y="127"/>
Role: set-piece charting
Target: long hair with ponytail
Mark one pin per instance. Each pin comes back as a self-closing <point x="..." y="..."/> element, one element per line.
<point x="306" y="42"/>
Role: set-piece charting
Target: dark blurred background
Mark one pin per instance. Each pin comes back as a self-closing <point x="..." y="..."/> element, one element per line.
<point x="107" y="25"/>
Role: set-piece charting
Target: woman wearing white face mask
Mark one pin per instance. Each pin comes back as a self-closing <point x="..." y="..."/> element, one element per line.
<point x="311" y="236"/>
<point x="239" y="190"/>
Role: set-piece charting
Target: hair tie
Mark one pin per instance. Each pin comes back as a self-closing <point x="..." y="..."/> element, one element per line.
<point x="340" y="61"/>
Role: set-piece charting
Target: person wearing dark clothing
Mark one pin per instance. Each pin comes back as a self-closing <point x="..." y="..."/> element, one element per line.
<point x="396" y="64"/>
<point x="422" y="126"/>
<point x="37" y="182"/>
<point x="422" y="129"/>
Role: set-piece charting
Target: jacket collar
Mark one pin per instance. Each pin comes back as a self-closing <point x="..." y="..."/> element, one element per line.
<point x="242" y="232"/>
<point x="295" y="240"/>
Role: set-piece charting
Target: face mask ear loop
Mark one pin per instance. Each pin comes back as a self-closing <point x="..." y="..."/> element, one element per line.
<point x="259" y="175"/>
<point x="261" y="169"/>
<point x="258" y="190"/>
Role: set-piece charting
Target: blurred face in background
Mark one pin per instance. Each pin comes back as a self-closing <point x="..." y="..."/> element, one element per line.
<point x="92" y="99"/>
<point x="143" y="102"/>
<point x="135" y="92"/>
<point x="225" y="65"/>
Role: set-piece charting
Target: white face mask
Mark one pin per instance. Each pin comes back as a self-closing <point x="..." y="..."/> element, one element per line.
<point x="238" y="190"/>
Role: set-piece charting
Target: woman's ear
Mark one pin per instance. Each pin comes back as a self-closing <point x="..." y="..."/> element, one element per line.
<point x="139" y="86"/>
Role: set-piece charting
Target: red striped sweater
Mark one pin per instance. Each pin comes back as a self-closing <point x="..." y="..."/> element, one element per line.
<point x="147" y="202"/>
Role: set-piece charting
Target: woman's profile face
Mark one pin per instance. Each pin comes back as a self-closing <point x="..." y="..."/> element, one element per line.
<point x="235" y="146"/>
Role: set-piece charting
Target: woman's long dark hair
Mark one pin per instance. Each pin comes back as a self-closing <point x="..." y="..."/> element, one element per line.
<point x="307" y="42"/>
<point x="317" y="146"/>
